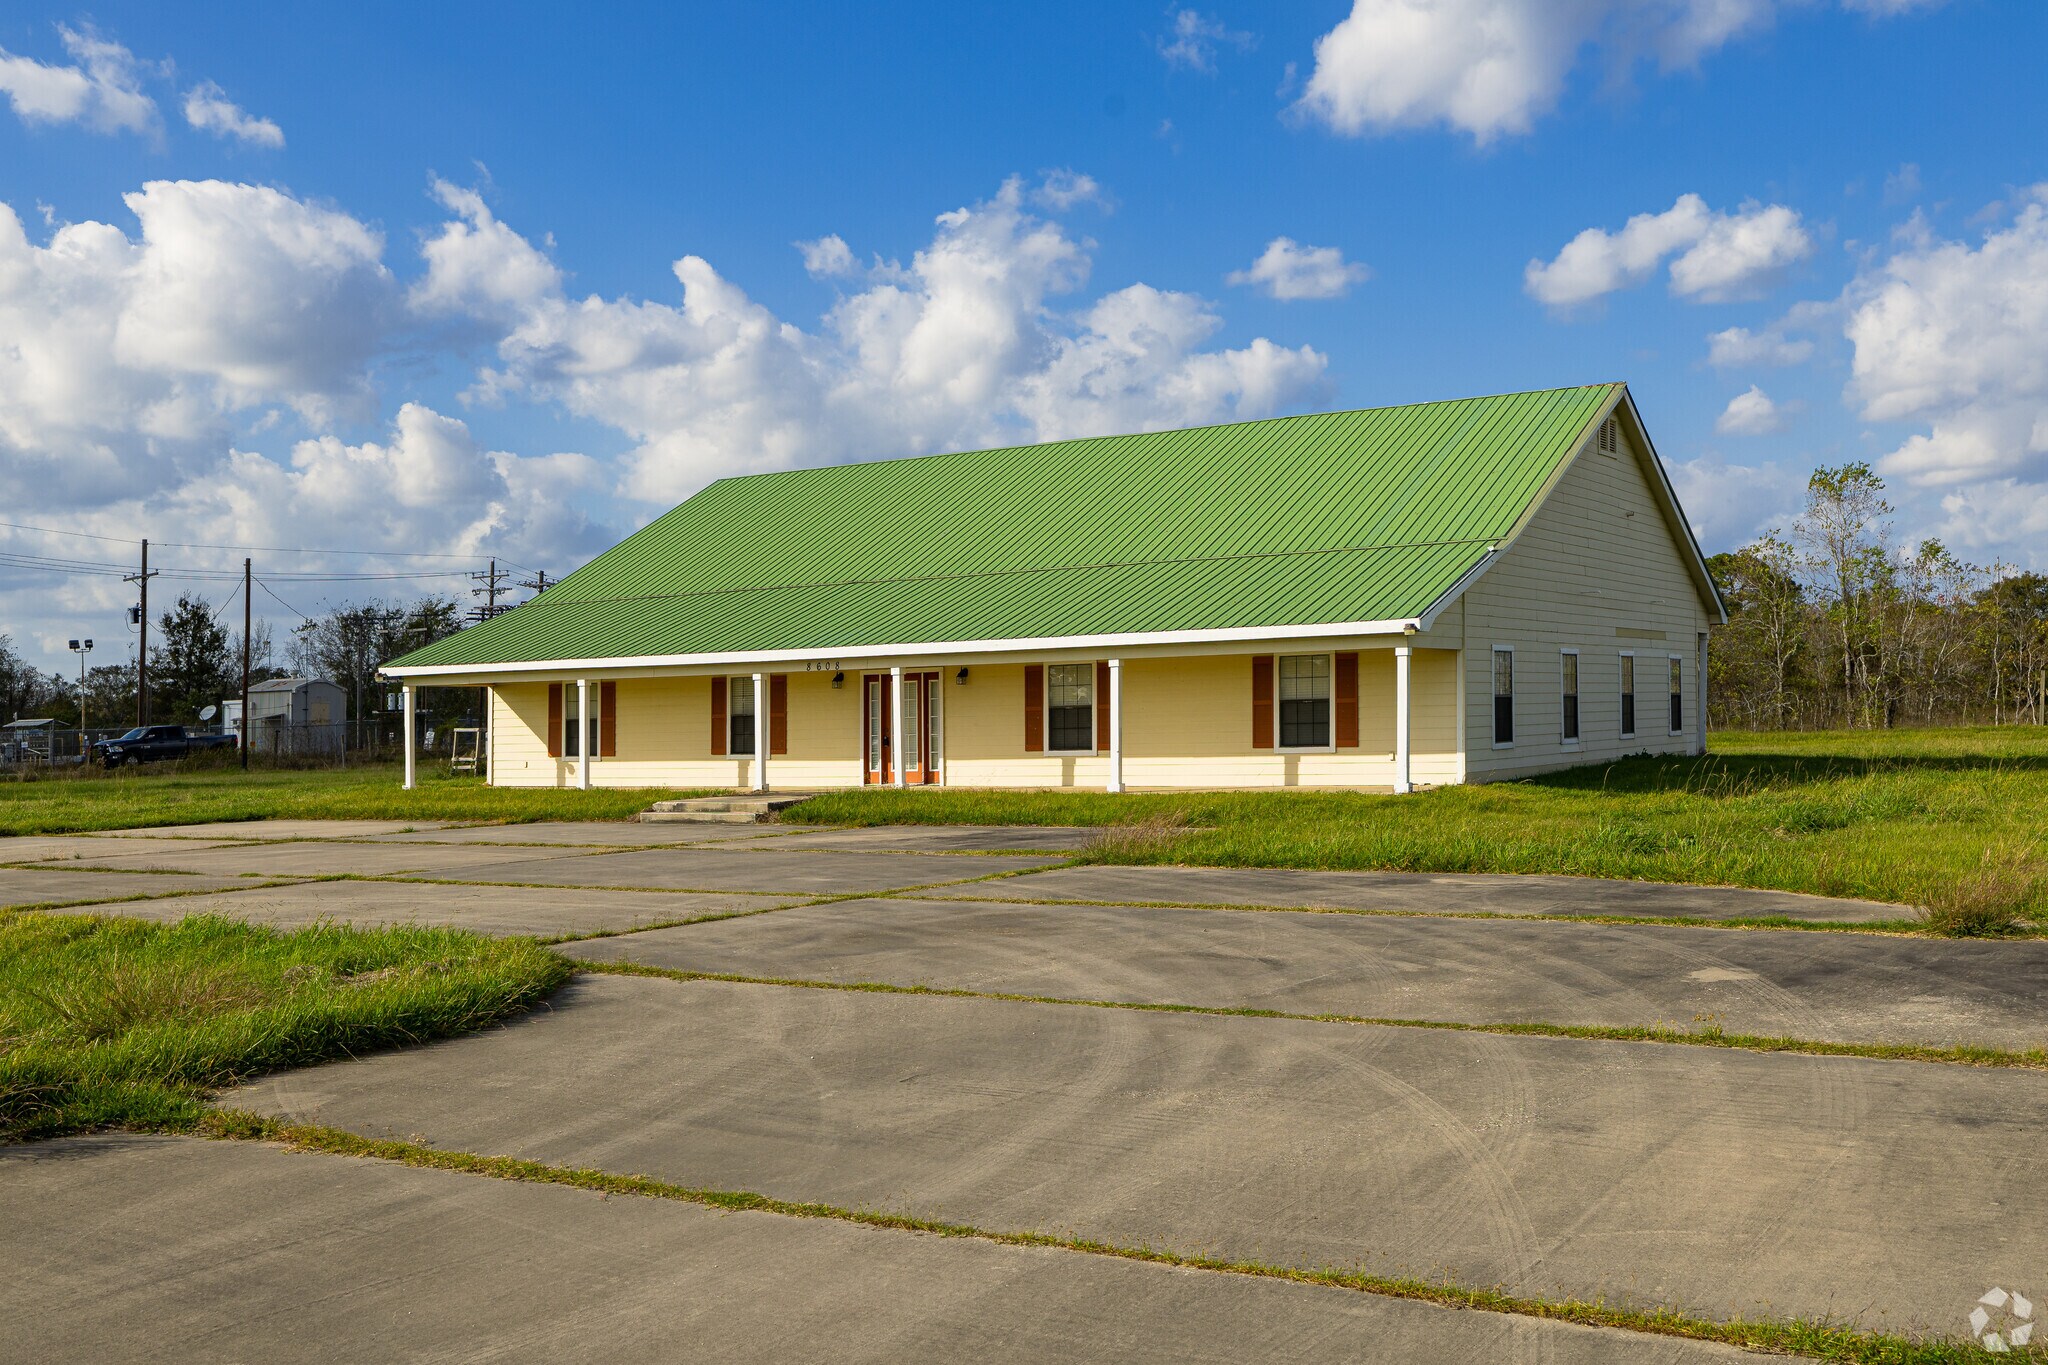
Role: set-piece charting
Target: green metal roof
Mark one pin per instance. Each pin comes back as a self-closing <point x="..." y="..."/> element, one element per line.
<point x="1320" y="519"/>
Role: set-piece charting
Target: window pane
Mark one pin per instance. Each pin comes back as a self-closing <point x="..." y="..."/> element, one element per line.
<point x="1305" y="723"/>
<point x="1571" y="675"/>
<point x="874" y="686"/>
<point x="1628" y="675"/>
<point x="908" y="730"/>
<point x="1304" y="677"/>
<point x="1677" y="698"/>
<point x="739" y="714"/>
<point x="1503" y="720"/>
<point x="931" y="720"/>
<point x="1070" y="684"/>
<point x="1571" y="715"/>
<point x="1503" y="673"/>
<point x="1304" y="701"/>
<point x="570" y="729"/>
<point x="1070" y="707"/>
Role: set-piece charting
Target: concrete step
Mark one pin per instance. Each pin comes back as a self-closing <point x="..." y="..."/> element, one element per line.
<point x="697" y="817"/>
<point x="721" y="810"/>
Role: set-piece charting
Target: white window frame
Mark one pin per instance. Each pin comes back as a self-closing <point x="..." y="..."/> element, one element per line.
<point x="1678" y="659"/>
<point x="1492" y="667"/>
<point x="1045" y="717"/>
<point x="1579" y="691"/>
<point x="739" y="685"/>
<point x="590" y="735"/>
<point x="1630" y="655"/>
<point x="1331" y="673"/>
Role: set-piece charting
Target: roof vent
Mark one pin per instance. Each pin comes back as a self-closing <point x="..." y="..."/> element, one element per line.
<point x="1610" y="438"/>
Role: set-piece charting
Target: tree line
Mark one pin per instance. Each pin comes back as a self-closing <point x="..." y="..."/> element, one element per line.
<point x="1833" y="624"/>
<point x="195" y="662"/>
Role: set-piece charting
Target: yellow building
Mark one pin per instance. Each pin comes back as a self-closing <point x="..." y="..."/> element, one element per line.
<point x="1401" y="597"/>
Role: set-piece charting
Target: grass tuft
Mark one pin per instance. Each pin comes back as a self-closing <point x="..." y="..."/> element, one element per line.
<point x="120" y="1022"/>
<point x="1993" y="900"/>
<point x="1137" y="839"/>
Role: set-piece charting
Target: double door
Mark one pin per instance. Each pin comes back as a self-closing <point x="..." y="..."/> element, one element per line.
<point x="914" y="742"/>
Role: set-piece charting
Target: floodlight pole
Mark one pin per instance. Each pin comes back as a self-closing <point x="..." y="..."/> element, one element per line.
<point x="242" y="720"/>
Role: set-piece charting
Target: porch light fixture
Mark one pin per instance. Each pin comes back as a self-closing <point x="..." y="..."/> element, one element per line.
<point x="960" y="678"/>
<point x="839" y="679"/>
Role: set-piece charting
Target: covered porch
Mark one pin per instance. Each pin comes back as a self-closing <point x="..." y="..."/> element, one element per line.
<point x="1364" y="714"/>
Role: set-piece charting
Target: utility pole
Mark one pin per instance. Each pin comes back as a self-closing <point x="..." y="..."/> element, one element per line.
<point x="243" y="718"/>
<point x="538" y="584"/>
<point x="493" y="584"/>
<point x="142" y="647"/>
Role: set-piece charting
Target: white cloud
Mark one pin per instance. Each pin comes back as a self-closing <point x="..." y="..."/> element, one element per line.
<point x="1738" y="346"/>
<point x="1492" y="67"/>
<point x="1288" y="270"/>
<point x="1956" y="336"/>
<point x="1192" y="42"/>
<point x="828" y="257"/>
<point x="103" y="91"/>
<point x="1732" y="504"/>
<point x="1751" y="413"/>
<point x="961" y="347"/>
<point x="1062" y="189"/>
<point x="123" y="356"/>
<point x="431" y="485"/>
<point x="478" y="266"/>
<point x="1714" y="256"/>
<point x="208" y="108"/>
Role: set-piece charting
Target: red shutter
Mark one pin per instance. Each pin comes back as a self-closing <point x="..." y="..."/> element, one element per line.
<point x="1102" y="705"/>
<point x="607" y="719"/>
<point x="1347" y="701"/>
<point x="554" y="720"/>
<point x="1034" y="708"/>
<point x="1262" y="701"/>
<point x="778" y="713"/>
<point x="718" y="727"/>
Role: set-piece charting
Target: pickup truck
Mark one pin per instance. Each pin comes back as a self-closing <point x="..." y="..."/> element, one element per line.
<point x="150" y="743"/>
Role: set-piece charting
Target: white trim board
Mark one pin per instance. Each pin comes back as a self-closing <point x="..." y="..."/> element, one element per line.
<point x="964" y="651"/>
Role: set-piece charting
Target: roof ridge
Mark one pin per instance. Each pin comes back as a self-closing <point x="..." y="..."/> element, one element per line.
<point x="1159" y="431"/>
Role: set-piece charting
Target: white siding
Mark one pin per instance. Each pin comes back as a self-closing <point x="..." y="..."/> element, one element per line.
<point x="1598" y="569"/>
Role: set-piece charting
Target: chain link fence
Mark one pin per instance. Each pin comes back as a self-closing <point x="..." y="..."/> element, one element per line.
<point x="30" y="752"/>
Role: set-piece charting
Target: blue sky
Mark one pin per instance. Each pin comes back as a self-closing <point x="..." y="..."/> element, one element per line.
<point x="405" y="278"/>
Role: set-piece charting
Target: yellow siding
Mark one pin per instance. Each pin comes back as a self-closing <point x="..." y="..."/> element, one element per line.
<point x="1598" y="557"/>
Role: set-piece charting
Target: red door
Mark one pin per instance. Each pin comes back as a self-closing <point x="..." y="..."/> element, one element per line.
<point x="914" y="743"/>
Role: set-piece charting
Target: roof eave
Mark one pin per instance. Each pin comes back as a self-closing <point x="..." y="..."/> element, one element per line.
<point x="965" y="649"/>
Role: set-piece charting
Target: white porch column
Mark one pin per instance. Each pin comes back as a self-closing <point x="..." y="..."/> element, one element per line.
<point x="1403" y="657"/>
<point x="760" y="732"/>
<point x="896" y="725"/>
<point x="406" y="692"/>
<point x="1116" y="725"/>
<point x="583" y="734"/>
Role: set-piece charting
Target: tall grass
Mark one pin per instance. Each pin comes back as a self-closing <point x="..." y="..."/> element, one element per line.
<point x="1899" y="816"/>
<point x="107" y="1021"/>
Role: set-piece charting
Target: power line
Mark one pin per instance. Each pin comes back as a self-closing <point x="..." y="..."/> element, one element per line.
<point x="281" y="602"/>
<point x="261" y="549"/>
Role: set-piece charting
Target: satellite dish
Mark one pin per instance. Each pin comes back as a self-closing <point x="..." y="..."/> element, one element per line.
<point x="208" y="713"/>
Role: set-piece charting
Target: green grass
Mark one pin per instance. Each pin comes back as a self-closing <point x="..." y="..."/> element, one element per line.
<point x="1952" y="818"/>
<point x="1815" y="1340"/>
<point x="108" y="1022"/>
<point x="74" y="802"/>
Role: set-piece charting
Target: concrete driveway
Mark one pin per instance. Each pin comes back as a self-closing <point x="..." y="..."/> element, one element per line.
<point x="1887" y="1194"/>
